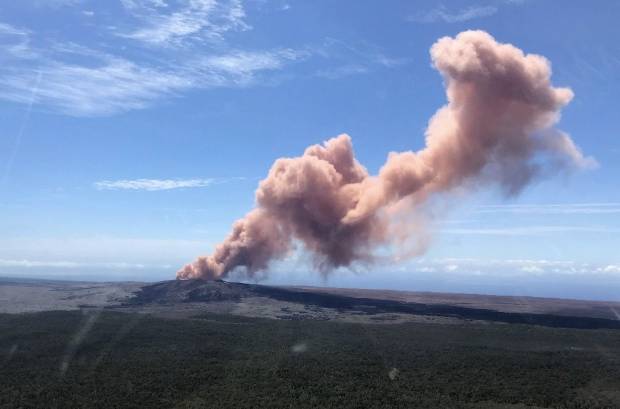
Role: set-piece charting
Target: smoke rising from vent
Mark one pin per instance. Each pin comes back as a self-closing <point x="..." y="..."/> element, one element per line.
<point x="496" y="129"/>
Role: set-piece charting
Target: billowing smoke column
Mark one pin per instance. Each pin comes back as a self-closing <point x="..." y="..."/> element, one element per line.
<point x="495" y="129"/>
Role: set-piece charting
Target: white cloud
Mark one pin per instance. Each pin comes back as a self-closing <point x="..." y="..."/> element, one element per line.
<point x="154" y="184"/>
<point x="7" y="29"/>
<point x="15" y="43"/>
<point x="30" y="263"/>
<point x="187" y="49"/>
<point x="102" y="250"/>
<point x="97" y="257"/>
<point x="565" y="208"/>
<point x="531" y="269"/>
<point x="102" y="84"/>
<point x="242" y="62"/>
<point x="55" y="3"/>
<point x="240" y="68"/>
<point x="346" y="59"/>
<point x="74" y="264"/>
<point x="109" y="84"/>
<point x="529" y="230"/>
<point x="441" y="13"/>
<point x="114" y="86"/>
<point x="138" y="4"/>
<point x="611" y="268"/>
<point x="511" y="267"/>
<point x="342" y="71"/>
<point x="194" y="20"/>
<point x="389" y="62"/>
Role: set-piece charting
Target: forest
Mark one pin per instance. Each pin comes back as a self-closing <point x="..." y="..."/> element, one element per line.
<point x="103" y="359"/>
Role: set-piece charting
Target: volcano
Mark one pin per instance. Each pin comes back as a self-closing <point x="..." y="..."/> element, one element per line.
<point x="312" y="303"/>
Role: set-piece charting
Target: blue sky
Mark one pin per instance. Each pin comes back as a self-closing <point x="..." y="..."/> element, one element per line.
<point x="134" y="132"/>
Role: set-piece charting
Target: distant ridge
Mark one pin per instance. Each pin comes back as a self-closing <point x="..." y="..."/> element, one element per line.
<point x="186" y="291"/>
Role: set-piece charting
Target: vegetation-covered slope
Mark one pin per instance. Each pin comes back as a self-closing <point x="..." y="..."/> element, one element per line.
<point x="119" y="360"/>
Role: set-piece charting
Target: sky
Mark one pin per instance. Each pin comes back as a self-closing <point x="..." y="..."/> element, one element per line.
<point x="133" y="134"/>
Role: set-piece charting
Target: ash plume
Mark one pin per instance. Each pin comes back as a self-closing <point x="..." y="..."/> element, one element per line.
<point x="495" y="130"/>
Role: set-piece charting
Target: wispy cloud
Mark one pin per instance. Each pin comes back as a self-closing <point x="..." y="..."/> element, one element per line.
<point x="342" y="71"/>
<point x="352" y="59"/>
<point x="194" y="20"/>
<point x="114" y="86"/>
<point x="7" y="29"/>
<point x="530" y="230"/>
<point x="443" y="14"/>
<point x="15" y="43"/>
<point x="158" y="184"/>
<point x="158" y="49"/>
<point x="560" y="208"/>
<point x="101" y="84"/>
<point x="511" y="267"/>
<point x="611" y="268"/>
<point x="240" y="68"/>
<point x="79" y="80"/>
<point x="242" y="62"/>
<point x="108" y="84"/>
<point x="55" y="3"/>
<point x="7" y="263"/>
<point x="102" y="249"/>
